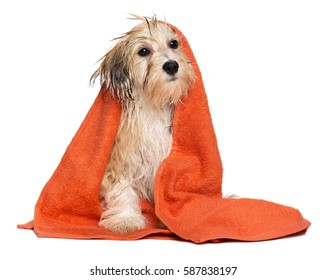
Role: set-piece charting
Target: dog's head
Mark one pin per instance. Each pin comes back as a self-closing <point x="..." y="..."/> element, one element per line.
<point x="147" y="60"/>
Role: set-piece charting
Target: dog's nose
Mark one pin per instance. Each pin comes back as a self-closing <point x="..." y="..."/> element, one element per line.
<point x="171" y="67"/>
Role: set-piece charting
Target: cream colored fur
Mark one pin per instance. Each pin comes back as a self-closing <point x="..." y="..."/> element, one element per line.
<point x="134" y="72"/>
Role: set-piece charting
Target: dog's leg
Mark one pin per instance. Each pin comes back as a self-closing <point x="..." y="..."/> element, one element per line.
<point x="122" y="210"/>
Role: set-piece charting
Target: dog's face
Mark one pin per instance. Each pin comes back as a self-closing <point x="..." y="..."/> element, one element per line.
<point x="147" y="60"/>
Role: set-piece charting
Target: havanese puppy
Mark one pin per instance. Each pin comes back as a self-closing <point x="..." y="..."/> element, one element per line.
<point x="149" y="74"/>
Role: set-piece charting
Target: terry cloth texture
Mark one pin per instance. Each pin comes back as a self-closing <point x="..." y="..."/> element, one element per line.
<point x="188" y="185"/>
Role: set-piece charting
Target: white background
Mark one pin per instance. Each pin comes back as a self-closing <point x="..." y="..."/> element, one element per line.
<point x="264" y="66"/>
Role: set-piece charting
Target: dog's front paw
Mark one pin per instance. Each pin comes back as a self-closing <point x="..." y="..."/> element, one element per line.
<point x="122" y="222"/>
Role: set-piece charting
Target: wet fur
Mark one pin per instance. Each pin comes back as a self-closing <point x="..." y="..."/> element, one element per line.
<point x="144" y="138"/>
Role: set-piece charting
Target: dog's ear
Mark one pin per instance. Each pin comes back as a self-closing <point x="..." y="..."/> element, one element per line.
<point x="114" y="72"/>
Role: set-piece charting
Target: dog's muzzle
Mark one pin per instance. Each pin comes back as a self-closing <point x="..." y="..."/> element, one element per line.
<point x="171" y="67"/>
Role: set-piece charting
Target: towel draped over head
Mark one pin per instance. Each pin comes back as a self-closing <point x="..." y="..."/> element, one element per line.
<point x="188" y="184"/>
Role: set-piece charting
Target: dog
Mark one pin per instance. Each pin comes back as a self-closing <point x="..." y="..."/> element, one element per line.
<point x="148" y="73"/>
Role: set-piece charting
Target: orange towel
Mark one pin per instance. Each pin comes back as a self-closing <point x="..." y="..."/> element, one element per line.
<point x="188" y="194"/>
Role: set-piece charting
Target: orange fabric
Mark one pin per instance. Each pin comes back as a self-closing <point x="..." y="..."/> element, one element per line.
<point x="188" y="194"/>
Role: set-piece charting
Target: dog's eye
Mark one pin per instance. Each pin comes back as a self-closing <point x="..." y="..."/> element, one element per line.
<point x="144" y="52"/>
<point x="173" y="44"/>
